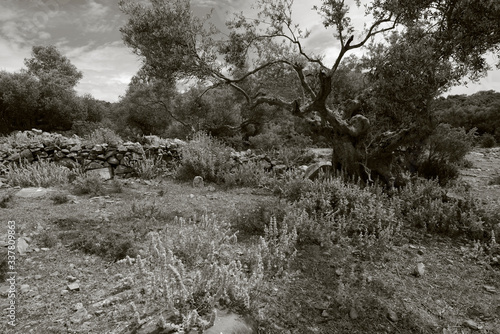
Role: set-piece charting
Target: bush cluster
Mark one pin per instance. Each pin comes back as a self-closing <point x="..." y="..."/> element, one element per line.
<point x="37" y="174"/>
<point x="204" y="156"/>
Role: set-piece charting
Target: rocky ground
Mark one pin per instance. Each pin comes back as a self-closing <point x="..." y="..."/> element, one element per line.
<point x="60" y="290"/>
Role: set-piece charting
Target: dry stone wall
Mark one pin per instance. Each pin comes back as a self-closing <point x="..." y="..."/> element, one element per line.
<point x="119" y="158"/>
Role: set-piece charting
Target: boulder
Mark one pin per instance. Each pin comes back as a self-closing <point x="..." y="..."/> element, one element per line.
<point x="314" y="170"/>
<point x="95" y="165"/>
<point x="113" y="161"/>
<point x="98" y="149"/>
<point x="104" y="173"/>
<point x="198" y="182"/>
<point x="67" y="162"/>
<point x="122" y="169"/>
<point x="31" y="192"/>
<point x="230" y="323"/>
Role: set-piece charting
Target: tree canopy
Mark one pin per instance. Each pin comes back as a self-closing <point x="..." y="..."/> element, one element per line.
<point x="43" y="94"/>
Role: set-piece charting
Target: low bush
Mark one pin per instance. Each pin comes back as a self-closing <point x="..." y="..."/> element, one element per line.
<point x="47" y="239"/>
<point x="451" y="211"/>
<point x="253" y="221"/>
<point x="196" y="281"/>
<point x="204" y="156"/>
<point x="447" y="147"/>
<point x="495" y="180"/>
<point x="86" y="184"/>
<point x="60" y="198"/>
<point x="277" y="247"/>
<point x="488" y="141"/>
<point x="247" y="174"/>
<point x="331" y="212"/>
<point x="103" y="136"/>
<point x="4" y="200"/>
<point x="150" y="167"/>
<point x="91" y="237"/>
<point x="37" y="174"/>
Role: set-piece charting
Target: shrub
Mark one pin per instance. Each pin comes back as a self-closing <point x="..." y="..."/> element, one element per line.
<point x="60" y="198"/>
<point x="37" y="174"/>
<point x="277" y="247"/>
<point x="442" y="171"/>
<point x="194" y="242"/>
<point x="4" y="200"/>
<point x="86" y="184"/>
<point x="495" y="180"/>
<point x="452" y="211"/>
<point x="193" y="290"/>
<point x="447" y="147"/>
<point x="249" y="174"/>
<point x="330" y="212"/>
<point x="91" y="237"/>
<point x="253" y="221"/>
<point x="204" y="156"/>
<point x="108" y="245"/>
<point x="47" y="238"/>
<point x="150" y="167"/>
<point x="488" y="140"/>
<point x="103" y="136"/>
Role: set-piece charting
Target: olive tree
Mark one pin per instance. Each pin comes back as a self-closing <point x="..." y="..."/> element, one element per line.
<point x="417" y="50"/>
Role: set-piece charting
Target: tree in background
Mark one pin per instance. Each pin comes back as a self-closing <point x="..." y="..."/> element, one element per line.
<point x="480" y="110"/>
<point x="42" y="95"/>
<point x="439" y="42"/>
<point x="19" y="96"/>
<point x="146" y="107"/>
<point x="57" y="78"/>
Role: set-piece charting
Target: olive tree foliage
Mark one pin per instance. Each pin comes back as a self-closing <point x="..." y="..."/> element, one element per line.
<point x="147" y="105"/>
<point x="19" y="95"/>
<point x="435" y="43"/>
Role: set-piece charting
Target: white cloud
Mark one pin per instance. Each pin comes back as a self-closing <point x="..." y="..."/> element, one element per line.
<point x="107" y="69"/>
<point x="12" y="55"/>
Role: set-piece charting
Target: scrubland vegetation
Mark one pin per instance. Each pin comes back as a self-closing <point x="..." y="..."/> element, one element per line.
<point x="177" y="252"/>
<point x="400" y="236"/>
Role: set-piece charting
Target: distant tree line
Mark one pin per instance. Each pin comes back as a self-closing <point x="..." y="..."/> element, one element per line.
<point x="480" y="110"/>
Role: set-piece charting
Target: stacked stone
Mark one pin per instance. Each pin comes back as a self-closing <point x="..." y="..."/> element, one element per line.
<point x="72" y="152"/>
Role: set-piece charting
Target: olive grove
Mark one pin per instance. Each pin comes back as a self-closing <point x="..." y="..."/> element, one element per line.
<point x="413" y="51"/>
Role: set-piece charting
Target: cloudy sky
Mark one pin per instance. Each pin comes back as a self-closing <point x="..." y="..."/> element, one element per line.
<point x="87" y="32"/>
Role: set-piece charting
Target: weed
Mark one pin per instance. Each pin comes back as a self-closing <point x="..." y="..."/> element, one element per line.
<point x="488" y="141"/>
<point x="249" y="174"/>
<point x="91" y="237"/>
<point x="86" y="184"/>
<point x="149" y="168"/>
<point x="253" y="221"/>
<point x="495" y="180"/>
<point x="4" y="201"/>
<point x="47" y="238"/>
<point x="206" y="240"/>
<point x="193" y="290"/>
<point x="37" y="174"/>
<point x="277" y="247"/>
<point x="103" y="136"/>
<point x="116" y="187"/>
<point x="60" y="198"/>
<point x="204" y="156"/>
<point x="149" y="210"/>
